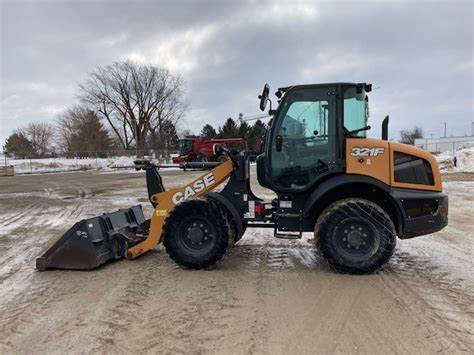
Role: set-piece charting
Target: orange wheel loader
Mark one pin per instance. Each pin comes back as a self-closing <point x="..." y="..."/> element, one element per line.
<point x="357" y="195"/>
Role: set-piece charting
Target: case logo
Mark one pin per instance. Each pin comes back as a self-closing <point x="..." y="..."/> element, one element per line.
<point x="191" y="190"/>
<point x="367" y="152"/>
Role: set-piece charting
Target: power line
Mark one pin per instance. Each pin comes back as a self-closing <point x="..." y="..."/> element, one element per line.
<point x="255" y="117"/>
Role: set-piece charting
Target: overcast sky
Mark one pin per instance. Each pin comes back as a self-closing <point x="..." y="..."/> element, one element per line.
<point x="418" y="54"/>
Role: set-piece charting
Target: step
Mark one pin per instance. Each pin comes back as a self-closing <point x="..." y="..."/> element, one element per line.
<point x="288" y="215"/>
<point x="289" y="236"/>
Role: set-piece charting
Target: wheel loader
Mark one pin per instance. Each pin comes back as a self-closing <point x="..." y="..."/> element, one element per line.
<point x="357" y="195"/>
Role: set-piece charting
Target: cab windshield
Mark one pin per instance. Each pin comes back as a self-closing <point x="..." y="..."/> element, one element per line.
<point x="356" y="110"/>
<point x="185" y="146"/>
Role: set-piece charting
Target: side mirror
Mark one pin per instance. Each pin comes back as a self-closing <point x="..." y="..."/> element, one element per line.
<point x="385" y="128"/>
<point x="217" y="149"/>
<point x="264" y="97"/>
<point x="278" y="143"/>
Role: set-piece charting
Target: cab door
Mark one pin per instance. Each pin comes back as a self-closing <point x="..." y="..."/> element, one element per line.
<point x="302" y="144"/>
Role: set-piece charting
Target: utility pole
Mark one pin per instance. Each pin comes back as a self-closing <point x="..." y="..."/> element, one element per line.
<point x="472" y="129"/>
<point x="445" y="123"/>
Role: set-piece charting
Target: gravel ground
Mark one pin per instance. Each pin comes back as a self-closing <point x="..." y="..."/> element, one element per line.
<point x="267" y="296"/>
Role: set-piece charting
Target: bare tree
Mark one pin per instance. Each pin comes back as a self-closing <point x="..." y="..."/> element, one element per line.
<point x="408" y="136"/>
<point x="136" y="100"/>
<point x="40" y="134"/>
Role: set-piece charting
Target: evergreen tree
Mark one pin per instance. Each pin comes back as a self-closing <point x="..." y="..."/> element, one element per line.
<point x="256" y="136"/>
<point x="208" y="131"/>
<point x="19" y="146"/>
<point x="229" y="129"/>
<point x="169" y="139"/>
<point x="81" y="130"/>
<point x="244" y="130"/>
<point x="91" y="135"/>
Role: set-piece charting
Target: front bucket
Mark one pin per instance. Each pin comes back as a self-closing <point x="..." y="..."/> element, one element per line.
<point x="94" y="241"/>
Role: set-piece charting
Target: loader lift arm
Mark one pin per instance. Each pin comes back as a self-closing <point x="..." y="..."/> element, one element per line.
<point x="166" y="201"/>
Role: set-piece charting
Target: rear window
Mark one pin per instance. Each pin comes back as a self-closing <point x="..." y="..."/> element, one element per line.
<point x="412" y="170"/>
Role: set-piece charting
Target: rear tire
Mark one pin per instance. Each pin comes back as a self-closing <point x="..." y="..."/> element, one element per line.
<point x="355" y="236"/>
<point x="194" y="235"/>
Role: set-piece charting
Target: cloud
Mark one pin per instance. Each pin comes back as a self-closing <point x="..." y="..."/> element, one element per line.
<point x="419" y="57"/>
<point x="288" y="12"/>
<point x="113" y="40"/>
<point x="179" y="51"/>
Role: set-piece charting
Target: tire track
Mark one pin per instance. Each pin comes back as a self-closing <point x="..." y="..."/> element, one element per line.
<point x="435" y="298"/>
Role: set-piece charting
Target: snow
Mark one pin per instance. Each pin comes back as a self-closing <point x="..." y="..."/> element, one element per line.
<point x="464" y="156"/>
<point x="71" y="164"/>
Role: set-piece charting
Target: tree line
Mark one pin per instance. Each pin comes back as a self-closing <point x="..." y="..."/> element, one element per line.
<point x="253" y="134"/>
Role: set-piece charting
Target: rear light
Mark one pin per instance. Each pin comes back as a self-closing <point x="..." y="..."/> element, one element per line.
<point x="443" y="208"/>
<point x="259" y="210"/>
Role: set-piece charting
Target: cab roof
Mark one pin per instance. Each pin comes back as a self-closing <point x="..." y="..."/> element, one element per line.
<point x="366" y="86"/>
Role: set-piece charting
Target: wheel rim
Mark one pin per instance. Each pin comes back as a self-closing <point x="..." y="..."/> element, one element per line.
<point x="196" y="235"/>
<point x="356" y="238"/>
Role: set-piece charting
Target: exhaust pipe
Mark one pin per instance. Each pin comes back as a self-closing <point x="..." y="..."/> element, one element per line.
<point x="94" y="241"/>
<point x="385" y="128"/>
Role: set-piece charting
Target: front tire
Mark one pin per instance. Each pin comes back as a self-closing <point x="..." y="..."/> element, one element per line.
<point x="194" y="235"/>
<point x="355" y="236"/>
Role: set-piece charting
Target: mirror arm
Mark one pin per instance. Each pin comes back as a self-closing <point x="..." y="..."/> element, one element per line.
<point x="270" y="101"/>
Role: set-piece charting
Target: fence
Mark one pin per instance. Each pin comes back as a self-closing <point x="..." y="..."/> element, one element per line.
<point x="442" y="145"/>
<point x="27" y="163"/>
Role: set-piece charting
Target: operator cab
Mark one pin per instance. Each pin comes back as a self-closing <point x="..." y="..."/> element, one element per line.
<point x="307" y="133"/>
<point x="185" y="146"/>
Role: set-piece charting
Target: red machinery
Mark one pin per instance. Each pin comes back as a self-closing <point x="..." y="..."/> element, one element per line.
<point x="200" y="149"/>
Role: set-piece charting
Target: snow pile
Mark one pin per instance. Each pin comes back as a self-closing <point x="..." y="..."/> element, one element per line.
<point x="70" y="164"/>
<point x="464" y="158"/>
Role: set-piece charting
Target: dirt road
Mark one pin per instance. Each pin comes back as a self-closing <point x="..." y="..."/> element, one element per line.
<point x="267" y="296"/>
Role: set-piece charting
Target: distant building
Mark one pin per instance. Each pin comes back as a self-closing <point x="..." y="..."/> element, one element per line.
<point x="443" y="144"/>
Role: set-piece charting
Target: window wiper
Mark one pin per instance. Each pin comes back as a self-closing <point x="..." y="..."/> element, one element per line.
<point x="350" y="133"/>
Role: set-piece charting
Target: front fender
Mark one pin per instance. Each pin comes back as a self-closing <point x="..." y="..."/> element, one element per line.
<point x="337" y="181"/>
<point x="325" y="193"/>
<point x="233" y="211"/>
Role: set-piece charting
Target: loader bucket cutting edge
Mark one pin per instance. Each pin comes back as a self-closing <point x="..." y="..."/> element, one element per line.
<point x="94" y="241"/>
